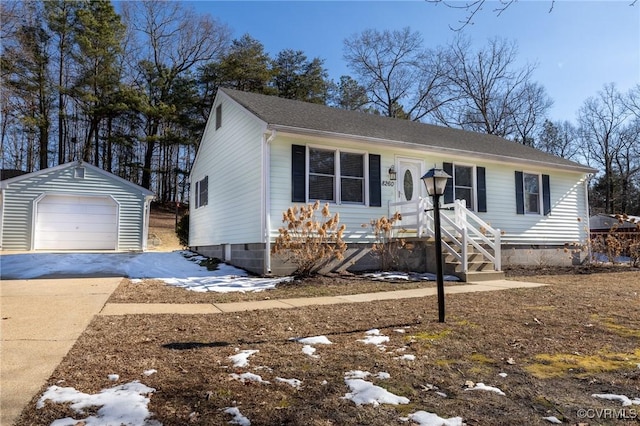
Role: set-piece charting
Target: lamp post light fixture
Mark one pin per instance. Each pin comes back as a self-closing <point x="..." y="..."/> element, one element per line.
<point x="435" y="180"/>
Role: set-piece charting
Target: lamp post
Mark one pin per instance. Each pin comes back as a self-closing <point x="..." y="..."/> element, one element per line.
<point x="435" y="180"/>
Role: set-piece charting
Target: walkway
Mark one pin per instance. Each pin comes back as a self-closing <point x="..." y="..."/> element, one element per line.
<point x="217" y="308"/>
<point x="42" y="319"/>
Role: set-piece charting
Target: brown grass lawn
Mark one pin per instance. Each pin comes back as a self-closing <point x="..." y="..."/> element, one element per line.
<point x="557" y="345"/>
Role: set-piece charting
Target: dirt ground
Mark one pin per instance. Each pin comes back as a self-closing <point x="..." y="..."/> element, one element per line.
<point x="556" y="346"/>
<point x="162" y="230"/>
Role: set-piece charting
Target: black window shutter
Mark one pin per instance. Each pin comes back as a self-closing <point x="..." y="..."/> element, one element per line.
<point x="482" y="189"/>
<point x="546" y="195"/>
<point x="519" y="193"/>
<point x="298" y="173"/>
<point x="375" y="181"/>
<point x="448" y="190"/>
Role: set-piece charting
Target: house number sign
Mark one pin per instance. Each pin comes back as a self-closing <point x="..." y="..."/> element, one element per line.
<point x="388" y="183"/>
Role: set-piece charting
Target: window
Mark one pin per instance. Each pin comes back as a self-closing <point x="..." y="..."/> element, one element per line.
<point x="463" y="185"/>
<point x="218" y="116"/>
<point x="467" y="183"/>
<point x="531" y="193"/>
<point x="351" y="177"/>
<point x="79" y="173"/>
<point x="202" y="192"/>
<point x="336" y="176"/>
<point x="321" y="175"/>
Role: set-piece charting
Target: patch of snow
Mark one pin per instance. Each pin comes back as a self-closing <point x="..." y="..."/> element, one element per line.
<point x="309" y="350"/>
<point x="315" y="340"/>
<point x="503" y="375"/>
<point x="293" y="382"/>
<point x="177" y="268"/>
<point x="383" y="375"/>
<point x="248" y="377"/>
<point x="625" y="400"/>
<point x="483" y="387"/>
<point x="407" y="276"/>
<point x="242" y="359"/>
<point x="552" y="419"/>
<point x="363" y="392"/>
<point x="356" y="374"/>
<point x="424" y="418"/>
<point x="238" y="419"/>
<point x="117" y="404"/>
<point x="113" y="377"/>
<point x="407" y="357"/>
<point x="374" y="337"/>
<point x="149" y="372"/>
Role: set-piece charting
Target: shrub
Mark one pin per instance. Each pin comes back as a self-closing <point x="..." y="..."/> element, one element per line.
<point x="308" y="241"/>
<point x="182" y="230"/>
<point x="386" y="246"/>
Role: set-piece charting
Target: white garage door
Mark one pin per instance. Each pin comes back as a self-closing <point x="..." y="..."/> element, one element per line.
<point x="69" y="222"/>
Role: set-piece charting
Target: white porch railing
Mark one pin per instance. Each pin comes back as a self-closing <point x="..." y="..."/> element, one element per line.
<point x="458" y="233"/>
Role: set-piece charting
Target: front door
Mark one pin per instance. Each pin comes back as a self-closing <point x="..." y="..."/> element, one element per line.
<point x="408" y="184"/>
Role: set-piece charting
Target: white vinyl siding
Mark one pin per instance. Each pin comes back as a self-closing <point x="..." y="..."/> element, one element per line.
<point x="565" y="223"/>
<point x="231" y="158"/>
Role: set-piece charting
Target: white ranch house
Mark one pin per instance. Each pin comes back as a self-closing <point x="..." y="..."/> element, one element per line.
<point x="259" y="155"/>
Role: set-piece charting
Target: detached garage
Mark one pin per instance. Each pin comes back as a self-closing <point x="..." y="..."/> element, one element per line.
<point x="73" y="206"/>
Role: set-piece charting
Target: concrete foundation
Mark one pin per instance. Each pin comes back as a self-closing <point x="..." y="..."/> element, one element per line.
<point x="418" y="255"/>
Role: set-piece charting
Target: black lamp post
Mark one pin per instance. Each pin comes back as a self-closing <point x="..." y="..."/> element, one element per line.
<point x="435" y="180"/>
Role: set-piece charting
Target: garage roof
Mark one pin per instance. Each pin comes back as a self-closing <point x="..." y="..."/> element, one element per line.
<point x="5" y="183"/>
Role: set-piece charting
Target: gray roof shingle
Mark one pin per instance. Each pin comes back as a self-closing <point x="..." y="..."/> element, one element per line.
<point x="304" y="117"/>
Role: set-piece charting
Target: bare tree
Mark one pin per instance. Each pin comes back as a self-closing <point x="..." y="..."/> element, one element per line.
<point x="490" y="93"/>
<point x="558" y="138"/>
<point x="472" y="7"/>
<point x="171" y="41"/>
<point x="601" y="127"/>
<point x="401" y="77"/>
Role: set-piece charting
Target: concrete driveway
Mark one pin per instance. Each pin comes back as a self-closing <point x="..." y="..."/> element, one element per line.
<point x="41" y="320"/>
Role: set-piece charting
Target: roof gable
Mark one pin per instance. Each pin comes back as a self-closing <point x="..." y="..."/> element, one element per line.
<point x="303" y="117"/>
<point x="133" y="186"/>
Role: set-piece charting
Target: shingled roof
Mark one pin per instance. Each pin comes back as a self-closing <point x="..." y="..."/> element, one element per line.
<point x="303" y="117"/>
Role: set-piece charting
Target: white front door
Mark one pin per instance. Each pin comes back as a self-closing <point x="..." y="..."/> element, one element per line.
<point x="408" y="183"/>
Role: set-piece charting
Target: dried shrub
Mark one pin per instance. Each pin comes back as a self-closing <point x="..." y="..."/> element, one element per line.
<point x="386" y="246"/>
<point x="615" y="243"/>
<point x="309" y="241"/>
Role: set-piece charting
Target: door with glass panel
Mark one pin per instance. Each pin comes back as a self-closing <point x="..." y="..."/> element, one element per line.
<point x="408" y="183"/>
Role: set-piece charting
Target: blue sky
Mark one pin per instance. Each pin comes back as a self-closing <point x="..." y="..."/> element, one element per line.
<point x="578" y="48"/>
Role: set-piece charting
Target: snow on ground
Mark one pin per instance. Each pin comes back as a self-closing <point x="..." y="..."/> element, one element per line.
<point x="483" y="387"/>
<point x="178" y="268"/>
<point x="408" y="276"/>
<point x="241" y="359"/>
<point x="127" y="404"/>
<point x="123" y="404"/>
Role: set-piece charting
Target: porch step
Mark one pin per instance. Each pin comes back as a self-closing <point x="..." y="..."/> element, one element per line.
<point x="476" y="276"/>
<point x="480" y="265"/>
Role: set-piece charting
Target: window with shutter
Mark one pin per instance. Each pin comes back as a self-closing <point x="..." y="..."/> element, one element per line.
<point x="335" y="176"/>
